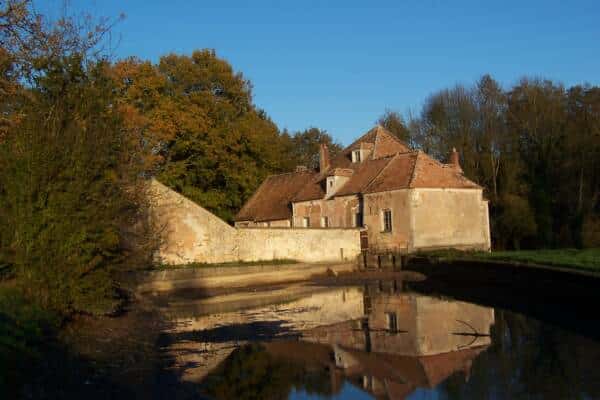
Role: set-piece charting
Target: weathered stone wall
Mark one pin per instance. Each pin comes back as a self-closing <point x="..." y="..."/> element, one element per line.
<point x="398" y="202"/>
<point x="442" y="218"/>
<point x="339" y="210"/>
<point x="189" y="233"/>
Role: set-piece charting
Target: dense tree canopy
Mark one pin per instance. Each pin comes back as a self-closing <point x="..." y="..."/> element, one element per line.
<point x="208" y="140"/>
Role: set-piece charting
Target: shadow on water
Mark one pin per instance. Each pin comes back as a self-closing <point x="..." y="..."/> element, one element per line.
<point x="251" y="331"/>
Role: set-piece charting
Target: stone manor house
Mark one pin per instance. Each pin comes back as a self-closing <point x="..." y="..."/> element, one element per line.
<point x="401" y="199"/>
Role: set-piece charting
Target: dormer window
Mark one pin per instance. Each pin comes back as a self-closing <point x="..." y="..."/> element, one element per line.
<point x="356" y="156"/>
<point x="330" y="184"/>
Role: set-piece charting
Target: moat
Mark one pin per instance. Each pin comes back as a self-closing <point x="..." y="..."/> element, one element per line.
<point x="382" y="339"/>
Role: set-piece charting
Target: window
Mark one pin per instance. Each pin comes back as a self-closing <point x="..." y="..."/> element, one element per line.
<point x="358" y="220"/>
<point x="356" y="156"/>
<point x="387" y="220"/>
<point x="305" y="222"/>
<point x="324" y="222"/>
<point x="392" y="322"/>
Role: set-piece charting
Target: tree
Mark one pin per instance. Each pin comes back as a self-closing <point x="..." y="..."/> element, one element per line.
<point x="394" y="122"/>
<point x="206" y="138"/>
<point x="534" y="149"/>
<point x="69" y="184"/>
<point x="304" y="146"/>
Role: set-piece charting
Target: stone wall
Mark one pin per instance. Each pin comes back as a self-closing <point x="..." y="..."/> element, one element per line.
<point x="398" y="202"/>
<point x="340" y="211"/>
<point x="189" y="233"/>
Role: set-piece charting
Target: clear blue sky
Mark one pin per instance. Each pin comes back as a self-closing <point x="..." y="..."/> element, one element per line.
<point x="338" y="65"/>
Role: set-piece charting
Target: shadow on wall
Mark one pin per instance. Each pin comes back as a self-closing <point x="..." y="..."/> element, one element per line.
<point x="190" y="233"/>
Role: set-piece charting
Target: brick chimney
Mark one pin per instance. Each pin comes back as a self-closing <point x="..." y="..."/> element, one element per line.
<point x="455" y="160"/>
<point x="323" y="158"/>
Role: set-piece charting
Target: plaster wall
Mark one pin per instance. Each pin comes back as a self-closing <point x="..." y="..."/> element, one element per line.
<point x="189" y="233"/>
<point x="442" y="218"/>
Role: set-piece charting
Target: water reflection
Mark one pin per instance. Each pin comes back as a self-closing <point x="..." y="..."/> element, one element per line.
<point x="376" y="340"/>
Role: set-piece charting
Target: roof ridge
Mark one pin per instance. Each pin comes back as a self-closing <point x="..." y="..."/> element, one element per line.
<point x="380" y="172"/>
<point x="396" y="138"/>
<point x="414" y="170"/>
<point x="358" y="140"/>
<point x="308" y="171"/>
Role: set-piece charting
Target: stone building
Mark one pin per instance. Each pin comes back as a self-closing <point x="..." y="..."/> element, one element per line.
<point x="402" y="199"/>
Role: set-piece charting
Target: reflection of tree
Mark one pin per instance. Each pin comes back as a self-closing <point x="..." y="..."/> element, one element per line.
<point x="251" y="372"/>
<point x="529" y="359"/>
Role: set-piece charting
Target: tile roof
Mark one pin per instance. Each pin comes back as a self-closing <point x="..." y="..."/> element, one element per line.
<point x="272" y="199"/>
<point x="391" y="165"/>
<point x="379" y="140"/>
<point x="430" y="173"/>
<point x="364" y="173"/>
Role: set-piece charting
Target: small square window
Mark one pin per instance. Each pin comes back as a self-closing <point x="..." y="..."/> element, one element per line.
<point x="387" y="220"/>
<point x="325" y="222"/>
<point x="356" y="156"/>
<point x="305" y="222"/>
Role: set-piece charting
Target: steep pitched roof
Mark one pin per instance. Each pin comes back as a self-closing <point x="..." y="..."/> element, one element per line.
<point x="391" y="165"/>
<point x="417" y="170"/>
<point x="364" y="173"/>
<point x="430" y="173"/>
<point x="272" y="199"/>
<point x="382" y="143"/>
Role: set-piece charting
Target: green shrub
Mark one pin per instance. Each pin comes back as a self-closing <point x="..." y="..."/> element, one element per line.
<point x="68" y="180"/>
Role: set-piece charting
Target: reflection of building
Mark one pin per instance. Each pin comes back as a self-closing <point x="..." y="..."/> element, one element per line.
<point x="406" y="341"/>
<point x="210" y="329"/>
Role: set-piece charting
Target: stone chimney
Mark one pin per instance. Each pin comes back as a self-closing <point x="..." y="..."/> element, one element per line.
<point x="323" y="158"/>
<point x="455" y="160"/>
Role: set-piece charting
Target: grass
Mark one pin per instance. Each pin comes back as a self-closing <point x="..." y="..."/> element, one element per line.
<point x="588" y="259"/>
<point x="280" y="261"/>
<point x="582" y="259"/>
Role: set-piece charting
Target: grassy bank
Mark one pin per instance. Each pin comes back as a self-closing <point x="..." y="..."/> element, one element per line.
<point x="580" y="259"/>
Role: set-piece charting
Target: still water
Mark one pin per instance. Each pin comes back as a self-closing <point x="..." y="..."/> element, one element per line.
<point x="379" y="341"/>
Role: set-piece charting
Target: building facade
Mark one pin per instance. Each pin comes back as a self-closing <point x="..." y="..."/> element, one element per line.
<point x="401" y="198"/>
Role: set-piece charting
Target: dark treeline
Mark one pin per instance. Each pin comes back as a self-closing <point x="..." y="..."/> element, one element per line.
<point x="535" y="148"/>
